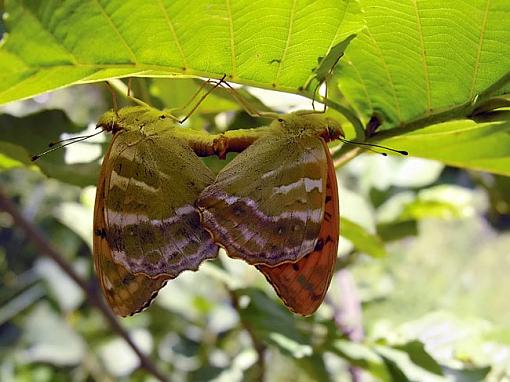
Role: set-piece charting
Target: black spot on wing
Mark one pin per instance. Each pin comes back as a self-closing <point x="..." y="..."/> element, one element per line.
<point x="128" y="279"/>
<point x="101" y="232"/>
<point x="239" y="208"/>
<point x="319" y="245"/>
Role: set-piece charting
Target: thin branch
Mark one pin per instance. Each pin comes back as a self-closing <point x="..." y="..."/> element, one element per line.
<point x="344" y="155"/>
<point x="37" y="237"/>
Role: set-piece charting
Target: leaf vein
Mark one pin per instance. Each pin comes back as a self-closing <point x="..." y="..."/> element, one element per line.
<point x="388" y="74"/>
<point x="341" y="20"/>
<point x="174" y="33"/>
<point x="364" y="85"/>
<point x="232" y="42"/>
<point x="116" y="30"/>
<point x="479" y="51"/>
<point x="287" y="43"/>
<point x="424" y="58"/>
<point x="50" y="32"/>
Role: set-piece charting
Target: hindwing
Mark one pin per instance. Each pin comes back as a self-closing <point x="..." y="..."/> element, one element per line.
<point x="302" y="285"/>
<point x="266" y="206"/>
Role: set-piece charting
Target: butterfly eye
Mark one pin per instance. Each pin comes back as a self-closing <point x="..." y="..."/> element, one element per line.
<point x="281" y="120"/>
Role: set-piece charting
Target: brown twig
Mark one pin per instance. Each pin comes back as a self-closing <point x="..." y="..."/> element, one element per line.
<point x="44" y="246"/>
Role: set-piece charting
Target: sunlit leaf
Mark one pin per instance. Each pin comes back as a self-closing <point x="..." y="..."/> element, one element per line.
<point x="419" y="356"/>
<point x="364" y="241"/>
<point x="462" y="143"/>
<point x="362" y="356"/>
<point x="416" y="59"/>
<point x="403" y="368"/>
<point x="268" y="44"/>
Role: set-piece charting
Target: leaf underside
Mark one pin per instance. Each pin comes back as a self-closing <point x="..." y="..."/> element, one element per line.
<point x="53" y="44"/>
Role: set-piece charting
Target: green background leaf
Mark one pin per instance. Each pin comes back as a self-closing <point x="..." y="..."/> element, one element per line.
<point x="461" y="143"/>
<point x="364" y="241"/>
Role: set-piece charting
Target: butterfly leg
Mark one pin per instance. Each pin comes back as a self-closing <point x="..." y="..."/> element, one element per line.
<point x="203" y="97"/>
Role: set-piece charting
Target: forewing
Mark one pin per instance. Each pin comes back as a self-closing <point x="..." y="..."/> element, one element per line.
<point x="152" y="225"/>
<point x="302" y="285"/>
<point x="266" y="206"/>
<point x="125" y="292"/>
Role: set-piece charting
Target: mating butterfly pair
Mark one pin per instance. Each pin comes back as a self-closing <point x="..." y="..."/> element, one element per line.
<point x="275" y="206"/>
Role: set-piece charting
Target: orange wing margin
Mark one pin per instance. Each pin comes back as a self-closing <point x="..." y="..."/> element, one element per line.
<point x="303" y="285"/>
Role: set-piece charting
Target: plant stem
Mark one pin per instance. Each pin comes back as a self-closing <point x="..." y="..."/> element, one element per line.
<point x="36" y="236"/>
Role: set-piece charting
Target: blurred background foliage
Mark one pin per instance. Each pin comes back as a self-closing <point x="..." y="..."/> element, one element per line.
<point x="420" y="290"/>
<point x="419" y="293"/>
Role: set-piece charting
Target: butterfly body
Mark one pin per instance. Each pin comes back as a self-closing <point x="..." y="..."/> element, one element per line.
<point x="146" y="229"/>
<point x="276" y="206"/>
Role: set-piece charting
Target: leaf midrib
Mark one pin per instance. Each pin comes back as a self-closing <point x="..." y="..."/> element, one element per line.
<point x="171" y="28"/>
<point x="117" y="32"/>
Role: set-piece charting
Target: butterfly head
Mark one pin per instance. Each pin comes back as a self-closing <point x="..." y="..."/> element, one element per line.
<point x="305" y="123"/>
<point x="134" y="117"/>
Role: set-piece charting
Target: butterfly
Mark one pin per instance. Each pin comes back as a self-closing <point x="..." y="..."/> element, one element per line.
<point x="276" y="206"/>
<point x="146" y="229"/>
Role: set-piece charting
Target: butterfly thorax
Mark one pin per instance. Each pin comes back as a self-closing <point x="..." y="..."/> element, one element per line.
<point x="303" y="124"/>
<point x="146" y="119"/>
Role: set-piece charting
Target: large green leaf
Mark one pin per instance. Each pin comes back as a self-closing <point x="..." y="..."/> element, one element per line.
<point x="52" y="44"/>
<point x="419" y="58"/>
<point x="461" y="143"/>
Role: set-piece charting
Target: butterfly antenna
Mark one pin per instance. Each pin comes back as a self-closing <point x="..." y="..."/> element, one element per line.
<point x="401" y="152"/>
<point x="201" y="99"/>
<point x="72" y="139"/>
<point x="61" y="144"/>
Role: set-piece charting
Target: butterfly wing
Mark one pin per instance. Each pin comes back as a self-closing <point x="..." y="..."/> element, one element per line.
<point x="147" y="229"/>
<point x="125" y="292"/>
<point x="302" y="285"/>
<point x="267" y="204"/>
<point x="153" y="227"/>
